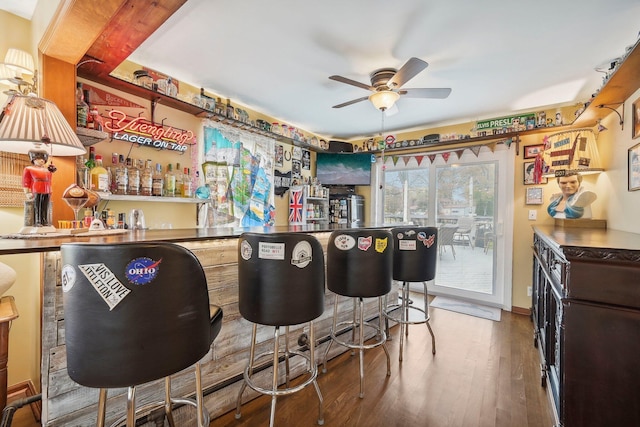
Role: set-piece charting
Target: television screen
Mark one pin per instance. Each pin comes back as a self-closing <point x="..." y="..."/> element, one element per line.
<point x="344" y="168"/>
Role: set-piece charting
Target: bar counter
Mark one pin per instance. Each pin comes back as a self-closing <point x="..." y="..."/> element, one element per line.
<point x="67" y="403"/>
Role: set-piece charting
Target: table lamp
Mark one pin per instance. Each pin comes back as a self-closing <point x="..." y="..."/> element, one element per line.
<point x="31" y="124"/>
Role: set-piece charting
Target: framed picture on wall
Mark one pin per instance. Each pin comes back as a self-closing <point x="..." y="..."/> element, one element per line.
<point x="534" y="196"/>
<point x="636" y="119"/>
<point x="531" y="151"/>
<point x="528" y="174"/>
<point x="634" y="168"/>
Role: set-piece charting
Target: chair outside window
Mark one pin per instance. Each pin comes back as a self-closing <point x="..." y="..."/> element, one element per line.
<point x="446" y="234"/>
<point x="466" y="226"/>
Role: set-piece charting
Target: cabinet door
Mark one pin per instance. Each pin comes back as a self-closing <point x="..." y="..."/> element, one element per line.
<point x="601" y="369"/>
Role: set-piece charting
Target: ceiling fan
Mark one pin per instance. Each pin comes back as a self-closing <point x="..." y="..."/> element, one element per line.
<point x="386" y="84"/>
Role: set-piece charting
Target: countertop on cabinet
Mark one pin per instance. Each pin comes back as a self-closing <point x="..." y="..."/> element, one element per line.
<point x="589" y="238"/>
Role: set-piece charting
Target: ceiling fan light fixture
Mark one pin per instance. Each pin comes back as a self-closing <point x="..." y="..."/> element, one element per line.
<point x="384" y="99"/>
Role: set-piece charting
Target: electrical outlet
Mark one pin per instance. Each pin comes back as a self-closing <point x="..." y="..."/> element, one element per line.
<point x="529" y="291"/>
<point x="533" y="215"/>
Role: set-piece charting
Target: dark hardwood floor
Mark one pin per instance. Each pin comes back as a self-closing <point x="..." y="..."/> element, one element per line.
<point x="484" y="374"/>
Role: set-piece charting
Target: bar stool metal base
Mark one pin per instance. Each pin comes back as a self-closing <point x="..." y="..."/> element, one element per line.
<point x="202" y="417"/>
<point x="400" y="313"/>
<point x="360" y="324"/>
<point x="275" y="391"/>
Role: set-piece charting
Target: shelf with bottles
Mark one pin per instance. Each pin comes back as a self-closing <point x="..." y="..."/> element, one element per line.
<point x="207" y="110"/>
<point x="131" y="198"/>
<point x="308" y="204"/>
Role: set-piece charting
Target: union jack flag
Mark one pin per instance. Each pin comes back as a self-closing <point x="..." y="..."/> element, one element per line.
<point x="295" y="206"/>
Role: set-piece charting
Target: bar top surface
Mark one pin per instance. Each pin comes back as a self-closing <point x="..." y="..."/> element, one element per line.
<point x="11" y="245"/>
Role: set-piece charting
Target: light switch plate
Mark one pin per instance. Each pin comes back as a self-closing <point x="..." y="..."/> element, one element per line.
<point x="533" y="215"/>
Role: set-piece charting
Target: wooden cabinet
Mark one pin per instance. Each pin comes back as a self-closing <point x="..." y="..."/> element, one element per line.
<point x="586" y="316"/>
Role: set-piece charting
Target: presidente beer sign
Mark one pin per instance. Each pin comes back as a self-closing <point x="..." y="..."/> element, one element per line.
<point x="146" y="133"/>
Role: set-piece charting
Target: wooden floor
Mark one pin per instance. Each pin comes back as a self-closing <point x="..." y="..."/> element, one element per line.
<point x="484" y="374"/>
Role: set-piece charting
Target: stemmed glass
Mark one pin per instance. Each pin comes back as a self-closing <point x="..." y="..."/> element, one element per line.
<point x="76" y="198"/>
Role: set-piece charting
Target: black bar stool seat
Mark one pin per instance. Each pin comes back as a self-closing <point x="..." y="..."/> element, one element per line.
<point x="281" y="283"/>
<point x="359" y="265"/>
<point x="135" y="313"/>
<point x="415" y="253"/>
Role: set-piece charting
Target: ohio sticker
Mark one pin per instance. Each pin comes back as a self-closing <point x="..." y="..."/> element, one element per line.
<point x="271" y="250"/>
<point x="344" y="242"/>
<point x="68" y="277"/>
<point x="381" y="244"/>
<point x="245" y="250"/>
<point x="364" y="243"/>
<point x="301" y="255"/>
<point x="105" y="283"/>
<point x="143" y="270"/>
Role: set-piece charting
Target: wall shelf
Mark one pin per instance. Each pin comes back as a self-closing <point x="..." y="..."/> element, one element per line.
<point x="127" y="198"/>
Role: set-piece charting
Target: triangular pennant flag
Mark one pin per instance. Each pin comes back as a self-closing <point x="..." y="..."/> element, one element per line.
<point x="445" y="156"/>
<point x="508" y="142"/>
<point x="459" y="153"/>
<point x="395" y="160"/>
<point x="432" y="157"/>
<point x="492" y="146"/>
<point x="476" y="149"/>
<point x="406" y="160"/>
<point x="419" y="159"/>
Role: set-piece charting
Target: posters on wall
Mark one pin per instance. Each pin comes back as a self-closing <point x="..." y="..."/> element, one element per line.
<point x="242" y="175"/>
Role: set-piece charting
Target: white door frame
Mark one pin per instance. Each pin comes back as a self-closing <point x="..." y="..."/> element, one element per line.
<point x="503" y="215"/>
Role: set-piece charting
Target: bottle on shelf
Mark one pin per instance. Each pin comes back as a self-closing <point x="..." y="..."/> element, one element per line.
<point x="84" y="179"/>
<point x="170" y="182"/>
<point x="82" y="108"/>
<point x="99" y="176"/>
<point x="90" y="124"/>
<point x="91" y="162"/>
<point x="146" y="179"/>
<point x="134" y="178"/>
<point x="158" y="181"/>
<point x="178" y="174"/>
<point x="187" y="185"/>
<point x="122" y="176"/>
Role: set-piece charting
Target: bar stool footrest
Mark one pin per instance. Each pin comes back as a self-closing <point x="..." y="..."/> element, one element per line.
<point x="312" y="373"/>
<point x="149" y="407"/>
<point x="381" y="336"/>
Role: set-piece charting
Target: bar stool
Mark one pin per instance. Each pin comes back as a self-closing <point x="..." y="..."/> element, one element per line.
<point x="135" y="313"/>
<point x="359" y="265"/>
<point x="281" y="283"/>
<point x="415" y="253"/>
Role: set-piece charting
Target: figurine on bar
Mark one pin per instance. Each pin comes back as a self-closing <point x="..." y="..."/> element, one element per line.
<point x="36" y="182"/>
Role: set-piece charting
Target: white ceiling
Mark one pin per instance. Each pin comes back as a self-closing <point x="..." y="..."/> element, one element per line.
<point x="497" y="56"/>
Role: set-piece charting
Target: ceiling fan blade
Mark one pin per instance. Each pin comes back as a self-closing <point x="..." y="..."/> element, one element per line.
<point x="436" y="93"/>
<point x="408" y="71"/>
<point x="353" y="101"/>
<point x="352" y="82"/>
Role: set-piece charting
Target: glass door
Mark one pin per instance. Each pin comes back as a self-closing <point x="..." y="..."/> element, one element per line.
<point x="466" y="200"/>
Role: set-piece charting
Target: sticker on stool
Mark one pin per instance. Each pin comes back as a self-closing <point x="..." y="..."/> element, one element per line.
<point x="301" y="256"/>
<point x="143" y="270"/>
<point x="364" y="243"/>
<point x="271" y="250"/>
<point x="344" y="242"/>
<point x="105" y="283"/>
<point x="381" y="244"/>
<point x="68" y="277"/>
<point x="407" y="245"/>
<point x="246" y="250"/>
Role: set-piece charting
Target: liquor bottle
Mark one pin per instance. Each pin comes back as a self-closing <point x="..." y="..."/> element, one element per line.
<point x="82" y="109"/>
<point x="122" y="176"/>
<point x="84" y="179"/>
<point x="158" y="181"/>
<point x="169" y="182"/>
<point x="99" y="176"/>
<point x="179" y="178"/>
<point x="146" y="180"/>
<point x="92" y="158"/>
<point x="187" y="186"/>
<point x="85" y="96"/>
<point x="134" y="178"/>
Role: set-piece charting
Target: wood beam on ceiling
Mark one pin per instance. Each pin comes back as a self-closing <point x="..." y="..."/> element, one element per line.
<point x="75" y="26"/>
<point x="129" y="27"/>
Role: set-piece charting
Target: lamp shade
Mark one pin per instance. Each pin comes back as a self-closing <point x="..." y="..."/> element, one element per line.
<point x="384" y="99"/>
<point x="19" y="60"/>
<point x="571" y="151"/>
<point x="6" y="74"/>
<point x="27" y="120"/>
